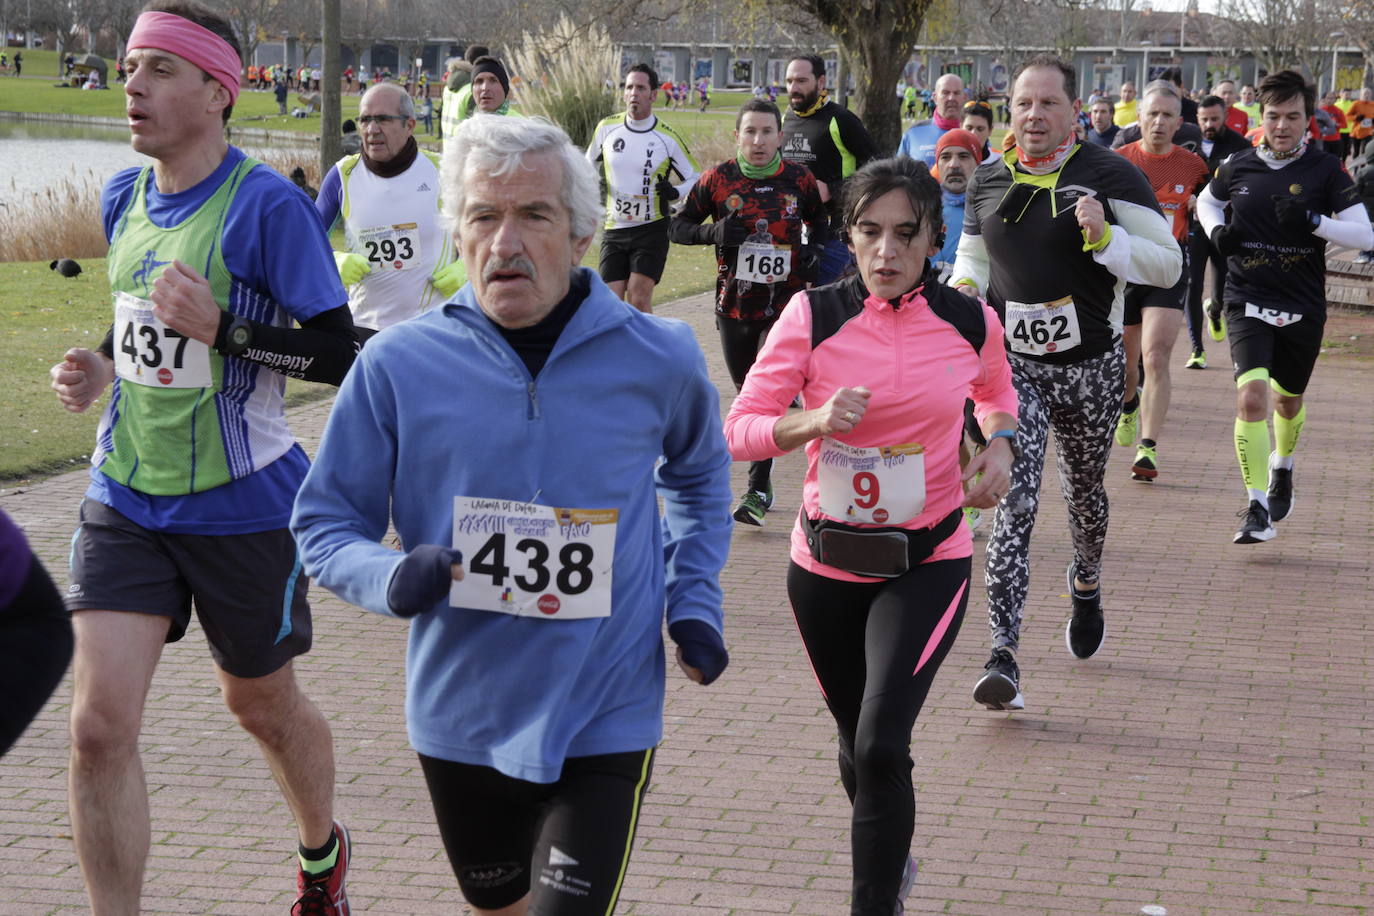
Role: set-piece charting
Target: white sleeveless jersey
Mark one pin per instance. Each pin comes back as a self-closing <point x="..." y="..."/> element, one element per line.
<point x="632" y="161"/>
<point x="393" y="223"/>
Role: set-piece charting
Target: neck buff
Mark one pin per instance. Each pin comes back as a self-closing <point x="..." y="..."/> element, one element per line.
<point x="821" y="99"/>
<point x="396" y="164"/>
<point x="1267" y="153"/>
<point x="1044" y="165"/>
<point x="944" y="123"/>
<point x="760" y="171"/>
<point x="197" y="44"/>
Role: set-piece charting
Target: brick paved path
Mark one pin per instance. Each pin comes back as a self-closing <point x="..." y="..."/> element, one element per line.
<point x="1214" y="758"/>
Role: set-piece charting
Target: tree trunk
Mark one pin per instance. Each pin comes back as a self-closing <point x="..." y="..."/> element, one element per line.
<point x="876" y="63"/>
<point x="331" y="104"/>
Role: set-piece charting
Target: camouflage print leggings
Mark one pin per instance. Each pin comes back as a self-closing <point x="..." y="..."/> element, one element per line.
<point x="1080" y="402"/>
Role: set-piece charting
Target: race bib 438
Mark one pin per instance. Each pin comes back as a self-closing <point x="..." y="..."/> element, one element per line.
<point x="529" y="560"/>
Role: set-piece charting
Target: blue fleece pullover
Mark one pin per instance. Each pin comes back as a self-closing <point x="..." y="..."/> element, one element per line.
<point x="440" y="406"/>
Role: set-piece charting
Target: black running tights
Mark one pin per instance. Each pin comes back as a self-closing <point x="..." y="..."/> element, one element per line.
<point x="875" y="648"/>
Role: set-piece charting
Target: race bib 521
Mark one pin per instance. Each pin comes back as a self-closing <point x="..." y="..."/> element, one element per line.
<point x="529" y="560"/>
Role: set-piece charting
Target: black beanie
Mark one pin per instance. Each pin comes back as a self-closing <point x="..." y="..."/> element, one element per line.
<point x="493" y="66"/>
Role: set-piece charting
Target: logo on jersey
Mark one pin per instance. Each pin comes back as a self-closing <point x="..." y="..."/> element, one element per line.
<point x="424" y="186"/>
<point x="618" y="146"/>
<point x="146" y="267"/>
<point x="1295" y="189"/>
<point x="558" y="857"/>
<point x="789" y="210"/>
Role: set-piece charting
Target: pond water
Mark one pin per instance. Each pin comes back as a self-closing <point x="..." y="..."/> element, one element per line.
<point x="37" y="155"/>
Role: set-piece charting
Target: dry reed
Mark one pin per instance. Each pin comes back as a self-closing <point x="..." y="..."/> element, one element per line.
<point x="63" y="221"/>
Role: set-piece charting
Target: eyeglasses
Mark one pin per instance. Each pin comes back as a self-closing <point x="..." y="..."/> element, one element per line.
<point x="380" y="119"/>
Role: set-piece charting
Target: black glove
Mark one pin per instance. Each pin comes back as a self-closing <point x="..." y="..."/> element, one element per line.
<point x="665" y="190"/>
<point x="1226" y="241"/>
<point x="702" y="647"/>
<point x="422" y="580"/>
<point x="729" y="232"/>
<point x="809" y="262"/>
<point x="1293" y="216"/>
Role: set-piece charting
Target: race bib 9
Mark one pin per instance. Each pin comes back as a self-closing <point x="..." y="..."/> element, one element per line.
<point x="1043" y="327"/>
<point x="147" y="352"/>
<point x="877" y="486"/>
<point x="528" y="560"/>
<point x="763" y="263"/>
<point x="390" y="247"/>
<point x="1271" y="316"/>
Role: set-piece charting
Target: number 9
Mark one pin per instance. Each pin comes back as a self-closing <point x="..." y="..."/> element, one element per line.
<point x="866" y="489"/>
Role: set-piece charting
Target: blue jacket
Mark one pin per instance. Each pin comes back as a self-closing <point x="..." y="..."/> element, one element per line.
<point x="952" y="210"/>
<point x="440" y="406"/>
<point x="919" y="142"/>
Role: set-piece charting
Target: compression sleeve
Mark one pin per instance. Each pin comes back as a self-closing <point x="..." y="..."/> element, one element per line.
<point x="321" y="350"/>
<point x="330" y="199"/>
<point x="814" y="213"/>
<point x="1350" y="228"/>
<point x="1211" y="212"/>
<point x="685" y="227"/>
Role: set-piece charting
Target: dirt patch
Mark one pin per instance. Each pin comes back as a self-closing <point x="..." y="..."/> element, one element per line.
<point x="1349" y="334"/>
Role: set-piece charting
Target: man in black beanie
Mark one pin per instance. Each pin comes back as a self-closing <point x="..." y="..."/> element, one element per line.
<point x="490" y="88"/>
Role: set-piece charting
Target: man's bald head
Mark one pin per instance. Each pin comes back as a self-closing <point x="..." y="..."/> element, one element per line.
<point x="949" y="96"/>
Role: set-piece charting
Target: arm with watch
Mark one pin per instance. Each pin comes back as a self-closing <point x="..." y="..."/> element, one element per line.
<point x="320" y="350"/>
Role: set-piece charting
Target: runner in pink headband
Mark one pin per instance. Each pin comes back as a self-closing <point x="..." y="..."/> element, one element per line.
<point x="199" y="45"/>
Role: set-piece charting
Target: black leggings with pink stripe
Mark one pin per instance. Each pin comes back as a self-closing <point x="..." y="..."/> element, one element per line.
<point x="875" y="648"/>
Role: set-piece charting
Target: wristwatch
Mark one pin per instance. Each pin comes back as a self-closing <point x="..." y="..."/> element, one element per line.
<point x="239" y="336"/>
<point x="1010" y="436"/>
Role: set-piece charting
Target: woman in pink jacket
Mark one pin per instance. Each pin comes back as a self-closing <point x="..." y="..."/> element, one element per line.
<point x="879" y="571"/>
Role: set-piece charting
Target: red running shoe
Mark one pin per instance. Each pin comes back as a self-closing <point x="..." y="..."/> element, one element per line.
<point x="325" y="895"/>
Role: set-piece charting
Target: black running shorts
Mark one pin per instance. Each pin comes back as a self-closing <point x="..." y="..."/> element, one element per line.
<point x="1139" y="297"/>
<point x="248" y="589"/>
<point x="1289" y="351"/>
<point x="566" y="843"/>
<point x="640" y="250"/>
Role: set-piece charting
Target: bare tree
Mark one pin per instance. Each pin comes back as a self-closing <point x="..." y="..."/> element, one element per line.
<point x="1286" y="33"/>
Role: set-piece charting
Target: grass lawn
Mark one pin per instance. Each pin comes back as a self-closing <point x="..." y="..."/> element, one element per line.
<point x="42" y="314"/>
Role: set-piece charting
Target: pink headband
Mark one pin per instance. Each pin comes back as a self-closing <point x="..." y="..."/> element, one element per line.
<point x="199" y="45"/>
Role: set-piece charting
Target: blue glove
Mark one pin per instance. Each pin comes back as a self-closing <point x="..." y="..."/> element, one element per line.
<point x="702" y="647"/>
<point x="422" y="580"/>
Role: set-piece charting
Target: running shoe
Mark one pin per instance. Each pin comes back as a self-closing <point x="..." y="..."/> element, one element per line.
<point x="753" y="506"/>
<point x="1087" y="628"/>
<point x="1364" y="257"/>
<point x="1000" y="687"/>
<point x="1255" y="527"/>
<point x="324" y="894"/>
<point x="972" y="517"/>
<point x="908" y="882"/>
<point x="1216" y="321"/>
<point x="767" y="497"/>
<point x="1146" y="465"/>
<point x="1280" y="490"/>
<point x="1197" y="361"/>
<point x="1126" y="427"/>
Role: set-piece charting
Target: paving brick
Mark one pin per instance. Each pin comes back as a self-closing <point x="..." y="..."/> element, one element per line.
<point x="1213" y="759"/>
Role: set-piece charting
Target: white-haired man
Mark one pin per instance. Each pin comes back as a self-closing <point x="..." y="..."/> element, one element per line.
<point x="534" y="560"/>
